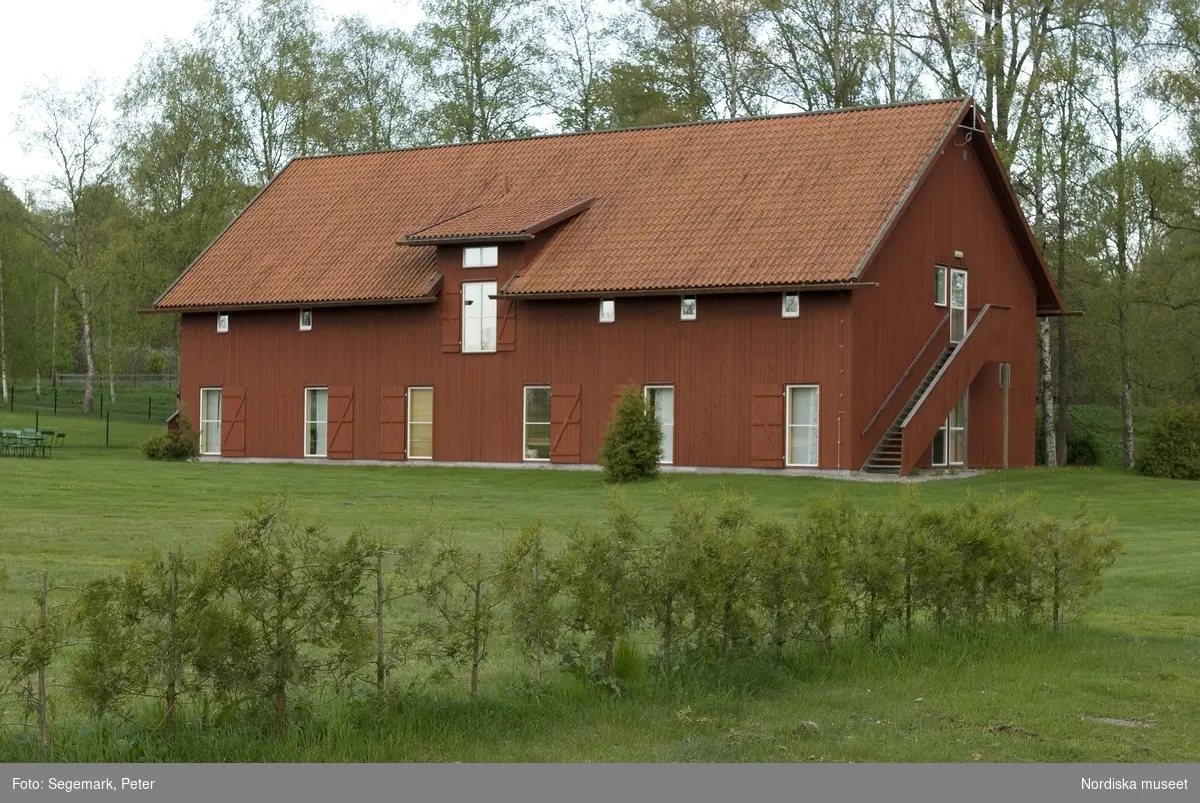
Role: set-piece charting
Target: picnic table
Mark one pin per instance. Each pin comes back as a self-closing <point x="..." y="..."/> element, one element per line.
<point x="30" y="442"/>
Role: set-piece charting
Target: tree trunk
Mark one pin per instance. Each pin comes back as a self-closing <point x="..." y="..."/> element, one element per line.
<point x="1047" y="388"/>
<point x="89" y="358"/>
<point x="3" y="348"/>
<point x="1126" y="392"/>
<point x="54" y="341"/>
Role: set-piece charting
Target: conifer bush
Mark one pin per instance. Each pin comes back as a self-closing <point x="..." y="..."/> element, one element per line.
<point x="632" y="444"/>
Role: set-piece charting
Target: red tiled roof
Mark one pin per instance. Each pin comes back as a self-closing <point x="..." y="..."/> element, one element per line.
<point x="508" y="216"/>
<point x="765" y="201"/>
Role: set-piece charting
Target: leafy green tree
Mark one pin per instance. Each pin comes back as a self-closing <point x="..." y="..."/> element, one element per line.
<point x="484" y="68"/>
<point x="601" y="580"/>
<point x="289" y="607"/>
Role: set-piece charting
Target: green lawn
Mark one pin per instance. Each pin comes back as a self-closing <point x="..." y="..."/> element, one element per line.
<point x="1001" y="697"/>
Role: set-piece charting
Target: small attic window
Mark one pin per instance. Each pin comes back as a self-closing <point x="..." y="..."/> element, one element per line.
<point x="305" y="320"/>
<point x="687" y="309"/>
<point x="486" y="256"/>
<point x="222" y="322"/>
<point x="791" y="305"/>
<point x="608" y="310"/>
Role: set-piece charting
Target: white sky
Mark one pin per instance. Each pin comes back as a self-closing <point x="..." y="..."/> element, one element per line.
<point x="72" y="39"/>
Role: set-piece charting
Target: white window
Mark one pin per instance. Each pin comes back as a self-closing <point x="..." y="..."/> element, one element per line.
<point x="316" y="422"/>
<point x="210" y="421"/>
<point x="661" y="399"/>
<point x="687" y="308"/>
<point x="791" y="305"/>
<point x="479" y="316"/>
<point x="222" y="322"/>
<point x="537" y="423"/>
<point x="481" y="257"/>
<point x="802" y="425"/>
<point x="608" y="310"/>
<point x="305" y="320"/>
<point x="420" y="423"/>
<point x="950" y="443"/>
<point x="939" y="285"/>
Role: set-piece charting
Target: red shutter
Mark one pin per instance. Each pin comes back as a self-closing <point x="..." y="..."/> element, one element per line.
<point x="506" y="323"/>
<point x="341" y="422"/>
<point x="233" y="422"/>
<point x="766" y="437"/>
<point x="451" y="321"/>
<point x="393" y="409"/>
<point x="564" y="423"/>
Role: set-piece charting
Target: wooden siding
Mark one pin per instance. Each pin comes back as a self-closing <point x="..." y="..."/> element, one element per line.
<point x="985" y="342"/>
<point x="955" y="209"/>
<point x="716" y="364"/>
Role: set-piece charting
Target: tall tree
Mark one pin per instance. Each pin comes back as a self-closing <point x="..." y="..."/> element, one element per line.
<point x="824" y="51"/>
<point x="580" y="57"/>
<point x="370" y="102"/>
<point x="484" y="65"/>
<point x="71" y="129"/>
<point x="269" y="54"/>
<point x="1119" y="51"/>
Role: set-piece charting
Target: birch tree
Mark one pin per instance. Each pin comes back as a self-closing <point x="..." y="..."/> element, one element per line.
<point x="72" y="129"/>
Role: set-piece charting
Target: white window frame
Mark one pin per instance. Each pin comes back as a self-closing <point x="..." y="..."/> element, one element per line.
<point x="484" y="295"/>
<point x="683" y="313"/>
<point x="608" y="314"/>
<point x="646" y="397"/>
<point x="790" y="313"/>
<point x="481" y="256"/>
<point x="307" y="422"/>
<point x="306" y="327"/>
<point x="222" y="323"/>
<point x="942" y="299"/>
<point x="787" y="431"/>
<point x="525" y="424"/>
<point x="204" y="421"/>
<point x="408" y="422"/>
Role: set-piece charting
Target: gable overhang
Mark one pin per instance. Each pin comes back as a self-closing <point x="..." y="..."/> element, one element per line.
<point x="1049" y="301"/>
<point x="526" y="232"/>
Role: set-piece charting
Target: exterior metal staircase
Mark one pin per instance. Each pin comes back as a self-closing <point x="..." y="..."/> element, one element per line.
<point x="887" y="455"/>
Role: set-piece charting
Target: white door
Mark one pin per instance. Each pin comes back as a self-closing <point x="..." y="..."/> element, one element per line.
<point x="958" y="304"/>
<point x="662" y="401"/>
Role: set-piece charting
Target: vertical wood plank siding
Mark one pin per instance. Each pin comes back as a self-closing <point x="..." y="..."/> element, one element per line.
<point x="954" y="210"/>
<point x="853" y="345"/>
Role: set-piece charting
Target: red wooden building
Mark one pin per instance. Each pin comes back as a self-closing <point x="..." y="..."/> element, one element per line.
<point x="847" y="290"/>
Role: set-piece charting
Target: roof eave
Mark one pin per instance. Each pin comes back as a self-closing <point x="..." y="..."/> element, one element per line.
<point x="472" y="239"/>
<point x="802" y="287"/>
<point x="285" y="305"/>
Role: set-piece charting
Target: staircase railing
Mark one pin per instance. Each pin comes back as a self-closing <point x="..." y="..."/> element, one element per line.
<point x="900" y="383"/>
<point x="984" y="340"/>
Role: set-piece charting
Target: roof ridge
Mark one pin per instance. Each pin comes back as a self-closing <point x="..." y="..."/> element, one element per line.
<point x="630" y="129"/>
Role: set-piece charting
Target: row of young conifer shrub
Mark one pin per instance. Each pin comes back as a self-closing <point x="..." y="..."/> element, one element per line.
<point x="278" y="610"/>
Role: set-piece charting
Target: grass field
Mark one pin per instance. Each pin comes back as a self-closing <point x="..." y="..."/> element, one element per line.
<point x="1123" y="685"/>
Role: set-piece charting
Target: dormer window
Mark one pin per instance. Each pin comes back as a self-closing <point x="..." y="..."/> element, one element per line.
<point x="608" y="310"/>
<point x="486" y="256"/>
<point x="791" y="305"/>
<point x="687" y="309"/>
<point x="305" y="320"/>
<point x="222" y="322"/>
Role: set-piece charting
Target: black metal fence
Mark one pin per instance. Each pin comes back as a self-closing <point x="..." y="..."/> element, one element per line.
<point x="149" y="398"/>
